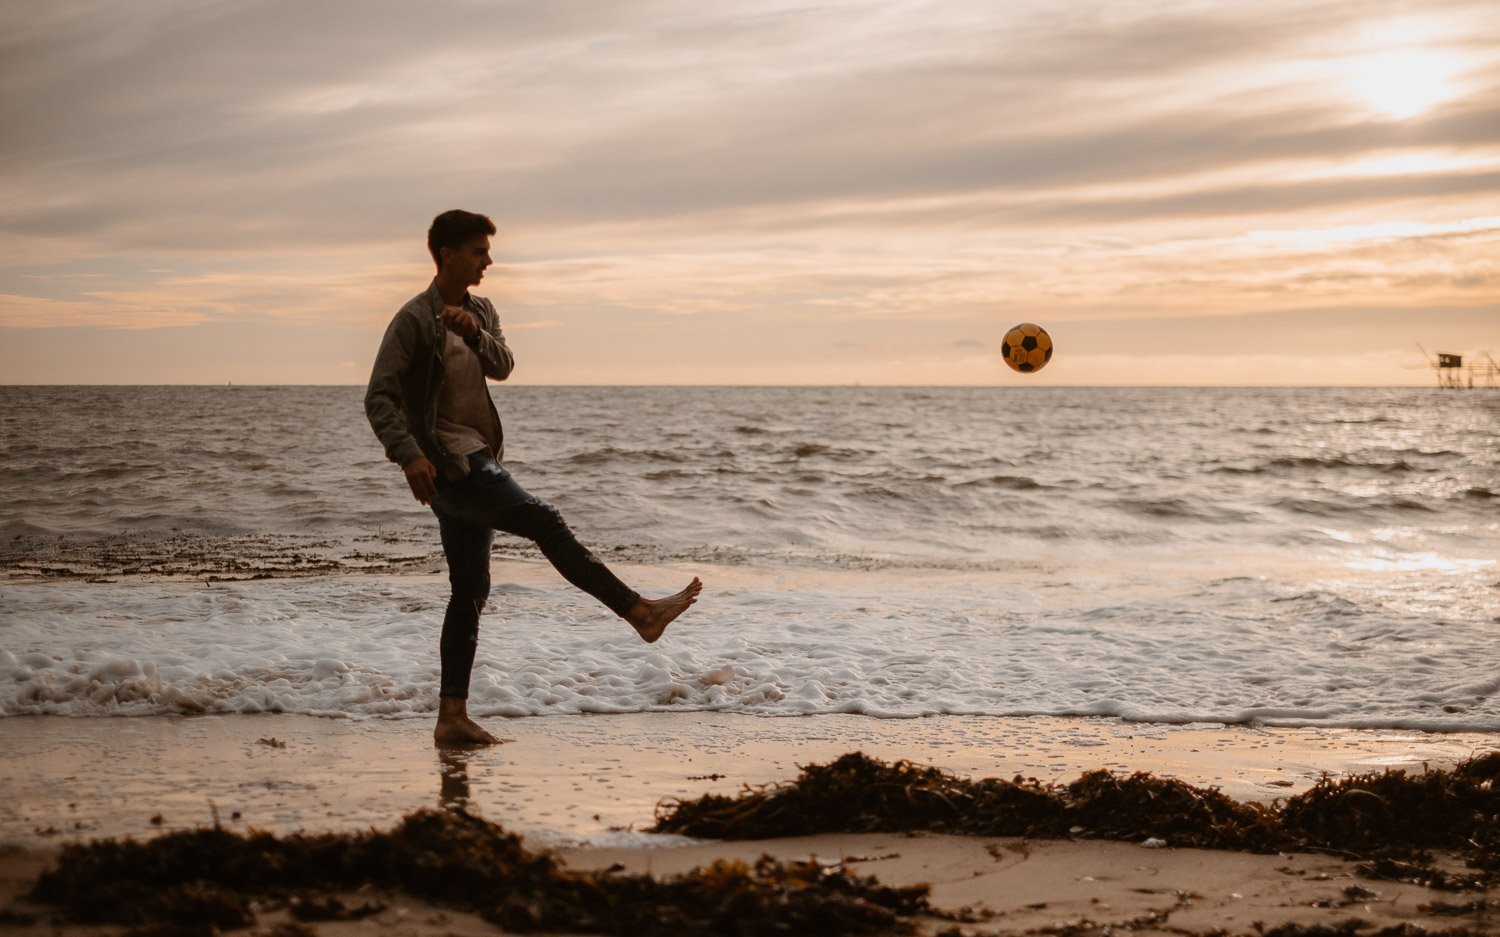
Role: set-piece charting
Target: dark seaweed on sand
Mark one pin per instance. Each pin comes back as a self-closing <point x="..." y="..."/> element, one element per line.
<point x="1369" y="815"/>
<point x="1372" y="813"/>
<point x="209" y="878"/>
<point x="859" y="794"/>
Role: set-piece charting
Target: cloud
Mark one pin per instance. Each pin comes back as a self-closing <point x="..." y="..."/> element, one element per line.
<point x="243" y="116"/>
<point x="101" y="312"/>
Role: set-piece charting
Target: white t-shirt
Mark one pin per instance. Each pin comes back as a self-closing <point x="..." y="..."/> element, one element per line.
<point x="465" y="422"/>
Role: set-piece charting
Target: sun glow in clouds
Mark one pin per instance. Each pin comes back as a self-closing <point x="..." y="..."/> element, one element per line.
<point x="1403" y="83"/>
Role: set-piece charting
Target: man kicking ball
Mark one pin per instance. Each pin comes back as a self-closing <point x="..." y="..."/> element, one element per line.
<point x="429" y="405"/>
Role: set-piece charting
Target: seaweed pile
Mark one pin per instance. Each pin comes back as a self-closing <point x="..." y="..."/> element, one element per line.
<point x="859" y="794"/>
<point x="209" y="880"/>
<point x="1457" y="810"/>
<point x="1385" y="815"/>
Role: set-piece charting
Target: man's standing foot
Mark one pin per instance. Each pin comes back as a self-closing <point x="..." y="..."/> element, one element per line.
<point x="454" y="727"/>
<point x="650" y="617"/>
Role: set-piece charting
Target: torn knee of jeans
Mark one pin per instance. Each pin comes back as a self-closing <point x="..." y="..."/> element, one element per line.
<point x="544" y="505"/>
<point x="536" y="502"/>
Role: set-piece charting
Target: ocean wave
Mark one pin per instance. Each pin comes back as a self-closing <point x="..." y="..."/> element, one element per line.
<point x="1320" y="507"/>
<point x="838" y="453"/>
<point x="1017" y="482"/>
<point x="612" y="455"/>
<point x="1317" y="463"/>
<point x="1327" y="605"/>
<point x="118" y="470"/>
<point x="21" y="528"/>
<point x="665" y="474"/>
<point x="1178" y="509"/>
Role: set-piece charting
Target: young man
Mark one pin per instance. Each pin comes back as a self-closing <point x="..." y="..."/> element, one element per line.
<point x="429" y="405"/>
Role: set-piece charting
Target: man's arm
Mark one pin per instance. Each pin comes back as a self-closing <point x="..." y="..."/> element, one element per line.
<point x="495" y="357"/>
<point x="383" y="395"/>
<point x="482" y="333"/>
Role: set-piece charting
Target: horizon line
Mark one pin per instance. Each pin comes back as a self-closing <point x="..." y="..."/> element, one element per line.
<point x="821" y="386"/>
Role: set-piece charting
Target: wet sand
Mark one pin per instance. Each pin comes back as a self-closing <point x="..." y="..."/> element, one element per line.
<point x="565" y="780"/>
<point x="589" y="785"/>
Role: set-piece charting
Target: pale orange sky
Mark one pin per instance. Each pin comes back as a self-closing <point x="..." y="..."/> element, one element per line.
<point x="755" y="192"/>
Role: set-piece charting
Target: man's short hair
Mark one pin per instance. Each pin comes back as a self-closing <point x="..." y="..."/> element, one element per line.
<point x="453" y="229"/>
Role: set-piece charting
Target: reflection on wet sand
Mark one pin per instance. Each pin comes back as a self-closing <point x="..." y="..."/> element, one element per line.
<point x="453" y="778"/>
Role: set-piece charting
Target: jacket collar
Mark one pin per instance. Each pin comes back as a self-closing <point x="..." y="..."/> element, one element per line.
<point x="435" y="299"/>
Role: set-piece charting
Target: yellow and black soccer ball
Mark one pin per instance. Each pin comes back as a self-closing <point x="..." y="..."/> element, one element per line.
<point x="1027" y="347"/>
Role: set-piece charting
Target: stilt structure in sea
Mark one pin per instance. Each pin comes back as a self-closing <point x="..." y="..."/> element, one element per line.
<point x="1453" y="374"/>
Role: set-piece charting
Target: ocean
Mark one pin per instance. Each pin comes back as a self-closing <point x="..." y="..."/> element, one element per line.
<point x="1274" y="556"/>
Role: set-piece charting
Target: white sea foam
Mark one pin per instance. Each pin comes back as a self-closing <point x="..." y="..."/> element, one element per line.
<point x="1170" y="649"/>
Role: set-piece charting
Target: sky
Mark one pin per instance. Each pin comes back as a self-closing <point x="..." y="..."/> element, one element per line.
<point x="211" y="191"/>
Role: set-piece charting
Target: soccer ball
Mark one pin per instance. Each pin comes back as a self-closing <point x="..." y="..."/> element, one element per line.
<point x="1027" y="347"/>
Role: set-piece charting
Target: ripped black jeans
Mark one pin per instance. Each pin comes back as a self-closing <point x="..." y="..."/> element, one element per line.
<point x="469" y="512"/>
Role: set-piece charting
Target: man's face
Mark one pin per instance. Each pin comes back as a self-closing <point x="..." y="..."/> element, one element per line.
<point x="468" y="262"/>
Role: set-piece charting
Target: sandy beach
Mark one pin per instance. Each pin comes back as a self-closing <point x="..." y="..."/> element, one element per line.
<point x="589" y="786"/>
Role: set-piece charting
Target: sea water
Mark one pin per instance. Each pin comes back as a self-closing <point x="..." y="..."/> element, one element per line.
<point x="1286" y="556"/>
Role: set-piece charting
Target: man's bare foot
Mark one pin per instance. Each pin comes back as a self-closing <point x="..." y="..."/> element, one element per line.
<point x="454" y="727"/>
<point x="650" y="617"/>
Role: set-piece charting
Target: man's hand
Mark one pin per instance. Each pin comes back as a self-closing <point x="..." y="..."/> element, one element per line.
<point x="460" y="322"/>
<point x="422" y="477"/>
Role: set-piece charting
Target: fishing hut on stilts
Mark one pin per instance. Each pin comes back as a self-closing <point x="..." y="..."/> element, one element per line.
<point x="1453" y="374"/>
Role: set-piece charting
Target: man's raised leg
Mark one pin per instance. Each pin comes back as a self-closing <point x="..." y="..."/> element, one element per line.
<point x="501" y="503"/>
<point x="540" y="522"/>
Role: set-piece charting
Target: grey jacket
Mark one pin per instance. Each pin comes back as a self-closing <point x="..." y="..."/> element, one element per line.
<point x="402" y="399"/>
